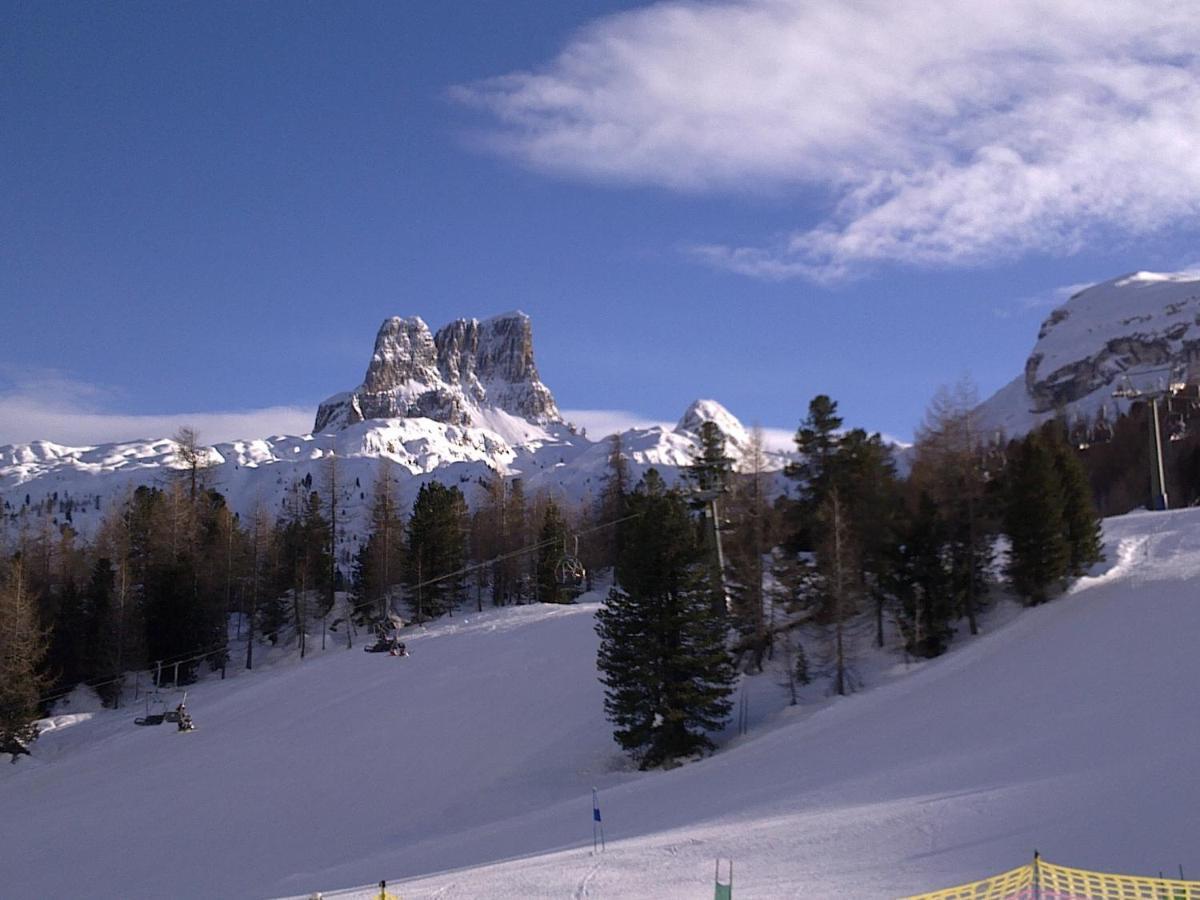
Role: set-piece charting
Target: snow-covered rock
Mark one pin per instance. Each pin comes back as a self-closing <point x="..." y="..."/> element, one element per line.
<point x="737" y="439"/>
<point x="1143" y="327"/>
<point x="467" y="368"/>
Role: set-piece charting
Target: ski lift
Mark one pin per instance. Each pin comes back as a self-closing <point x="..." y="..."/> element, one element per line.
<point x="1100" y="432"/>
<point x="156" y="711"/>
<point x="1176" y="427"/>
<point x="569" y="573"/>
<point x="1080" y="434"/>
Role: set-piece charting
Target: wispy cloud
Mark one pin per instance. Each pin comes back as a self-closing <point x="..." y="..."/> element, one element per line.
<point x="53" y="406"/>
<point x="1048" y="299"/>
<point x="945" y="132"/>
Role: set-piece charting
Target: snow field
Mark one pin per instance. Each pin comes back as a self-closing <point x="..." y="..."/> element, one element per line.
<point x="466" y="769"/>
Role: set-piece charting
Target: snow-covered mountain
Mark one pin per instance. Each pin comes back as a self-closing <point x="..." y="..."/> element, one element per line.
<point x="1144" y="327"/>
<point x="457" y="407"/>
<point x="452" y="376"/>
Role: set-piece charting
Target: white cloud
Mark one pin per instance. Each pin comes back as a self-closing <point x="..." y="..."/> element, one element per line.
<point x="52" y="406"/>
<point x="781" y="440"/>
<point x="945" y="132"/>
<point x="600" y="423"/>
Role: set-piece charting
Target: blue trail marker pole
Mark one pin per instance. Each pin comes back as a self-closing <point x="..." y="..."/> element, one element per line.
<point x="597" y="823"/>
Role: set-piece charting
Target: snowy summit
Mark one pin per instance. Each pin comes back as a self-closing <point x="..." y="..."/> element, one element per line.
<point x="1144" y="327"/>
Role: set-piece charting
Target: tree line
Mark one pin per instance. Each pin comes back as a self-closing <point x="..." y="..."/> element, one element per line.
<point x="851" y="550"/>
<point x="723" y="572"/>
<point x="172" y="575"/>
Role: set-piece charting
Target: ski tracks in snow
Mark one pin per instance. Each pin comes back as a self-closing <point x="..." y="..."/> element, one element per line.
<point x="583" y="889"/>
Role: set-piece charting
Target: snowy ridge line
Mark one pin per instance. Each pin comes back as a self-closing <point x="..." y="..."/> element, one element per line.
<point x="81" y="486"/>
<point x="1128" y="329"/>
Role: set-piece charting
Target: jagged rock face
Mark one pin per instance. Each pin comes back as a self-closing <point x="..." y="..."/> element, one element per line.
<point x="1143" y="327"/>
<point x="449" y="377"/>
<point x="1124" y="326"/>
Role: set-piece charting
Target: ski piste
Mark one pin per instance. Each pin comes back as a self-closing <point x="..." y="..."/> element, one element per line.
<point x="813" y="801"/>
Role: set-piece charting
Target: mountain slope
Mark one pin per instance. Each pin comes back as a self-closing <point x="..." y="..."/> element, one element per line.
<point x="1140" y="328"/>
<point x="79" y="485"/>
<point x="1066" y="729"/>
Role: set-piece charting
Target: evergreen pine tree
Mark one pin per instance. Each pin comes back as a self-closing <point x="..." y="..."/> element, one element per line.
<point x="1082" y="524"/>
<point x="551" y="549"/>
<point x="102" y="625"/>
<point x="437" y="548"/>
<point x="708" y="475"/>
<point x="22" y="650"/>
<point x="816" y="442"/>
<point x="611" y="507"/>
<point x="862" y="471"/>
<point x="749" y="539"/>
<point x="662" y="652"/>
<point x="1039" y="554"/>
<point x="922" y="582"/>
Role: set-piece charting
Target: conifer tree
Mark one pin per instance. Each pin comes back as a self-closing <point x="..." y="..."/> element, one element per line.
<point x="114" y="542"/>
<point x="863" y="473"/>
<point x="22" y="650"/>
<point x="951" y="465"/>
<point x="750" y="538"/>
<point x="1082" y="524"/>
<point x="263" y="611"/>
<point x="437" y="532"/>
<point x="551" y="549"/>
<point x="922" y="581"/>
<point x="662" y="652"/>
<point x="840" y="570"/>
<point x="102" y="627"/>
<point x="330" y="476"/>
<point x="611" y="506"/>
<point x="1039" y="554"/>
<point x="708" y="477"/>
<point x="816" y="443"/>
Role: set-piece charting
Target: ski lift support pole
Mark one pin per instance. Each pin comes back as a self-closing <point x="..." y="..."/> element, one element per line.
<point x="709" y="499"/>
<point x="1158" y="482"/>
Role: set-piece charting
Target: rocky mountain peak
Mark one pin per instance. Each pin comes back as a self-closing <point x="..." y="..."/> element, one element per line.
<point x="451" y="376"/>
<point x="1139" y="327"/>
<point x="404" y="351"/>
<point x="701" y="411"/>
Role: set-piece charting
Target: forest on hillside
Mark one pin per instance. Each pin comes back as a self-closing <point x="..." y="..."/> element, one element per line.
<point x="713" y="567"/>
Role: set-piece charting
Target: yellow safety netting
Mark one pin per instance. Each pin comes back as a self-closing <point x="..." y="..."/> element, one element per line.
<point x="1015" y="884"/>
<point x="1041" y="880"/>
<point x="1061" y="883"/>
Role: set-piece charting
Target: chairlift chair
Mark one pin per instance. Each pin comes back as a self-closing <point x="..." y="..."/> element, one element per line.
<point x="158" y="715"/>
<point x="569" y="572"/>
<point x="1176" y="427"/>
<point x="157" y="711"/>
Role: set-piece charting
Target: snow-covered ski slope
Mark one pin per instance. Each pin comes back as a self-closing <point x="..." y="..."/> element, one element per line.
<point x="466" y="769"/>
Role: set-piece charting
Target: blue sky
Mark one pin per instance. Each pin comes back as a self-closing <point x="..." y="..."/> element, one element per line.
<point x="207" y="210"/>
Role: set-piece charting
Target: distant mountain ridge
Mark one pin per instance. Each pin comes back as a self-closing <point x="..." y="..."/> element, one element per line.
<point x="448" y="377"/>
<point x="458" y="406"/>
<point x="1142" y="328"/>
